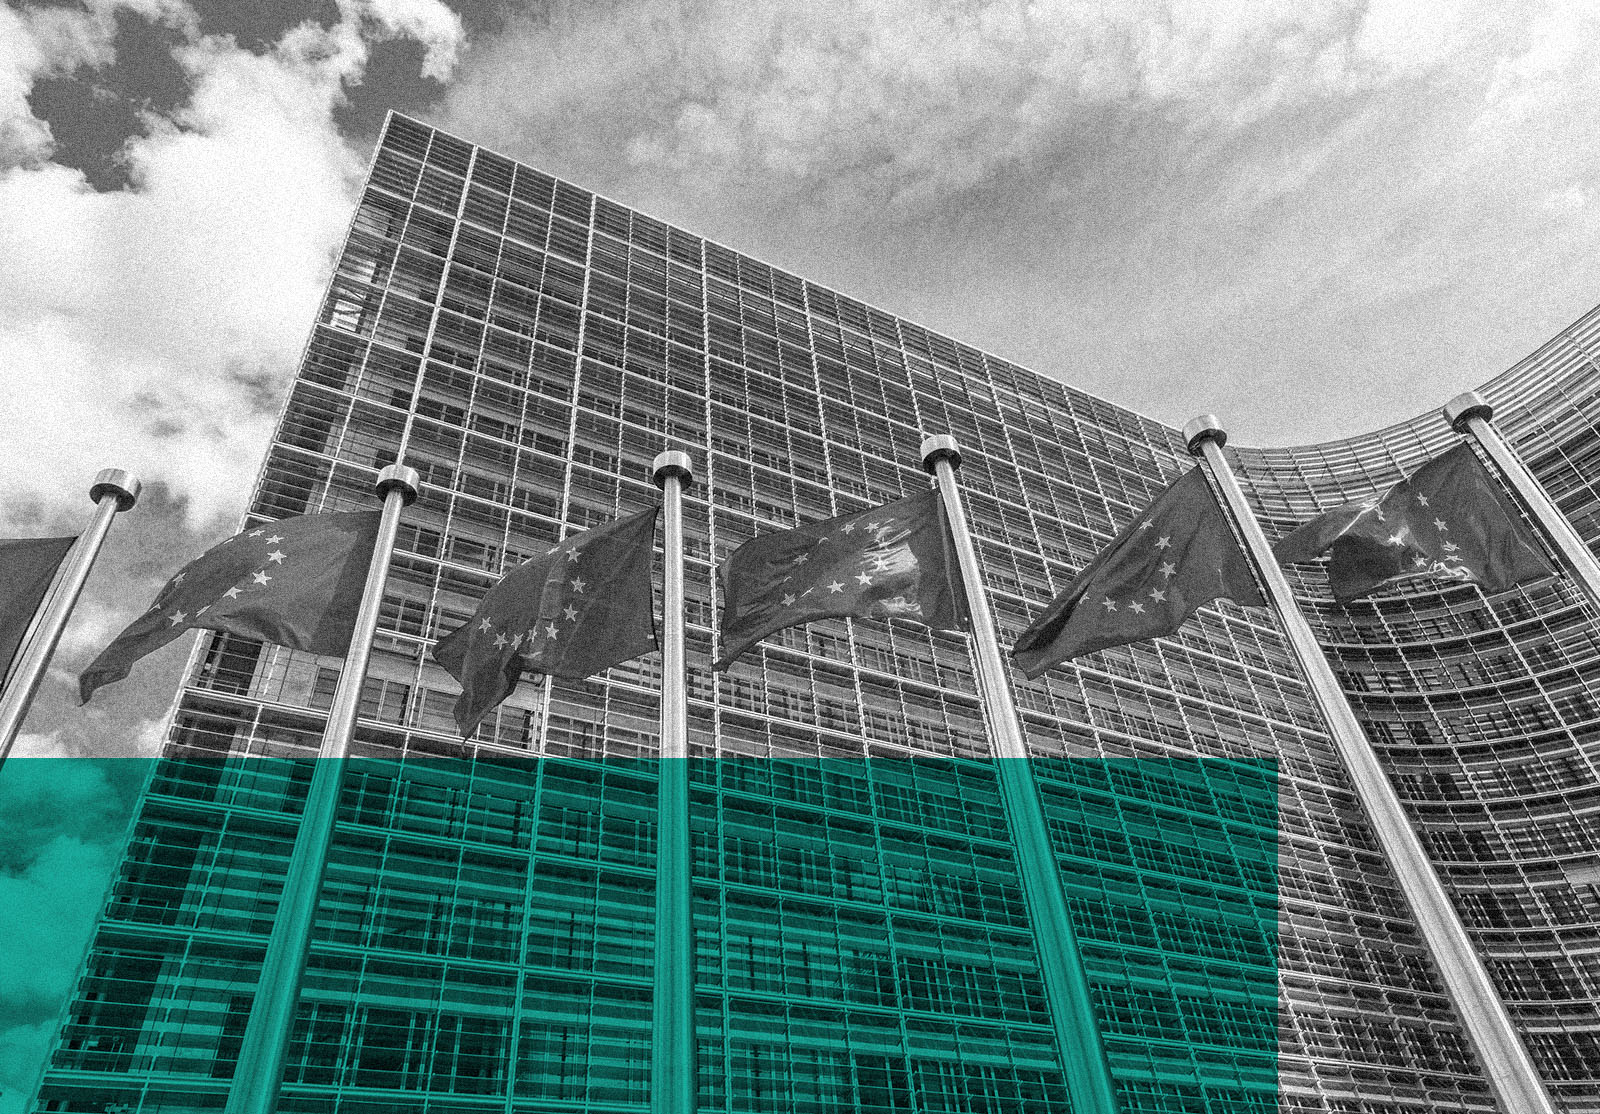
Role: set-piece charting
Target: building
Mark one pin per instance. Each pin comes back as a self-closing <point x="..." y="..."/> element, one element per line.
<point x="485" y="937"/>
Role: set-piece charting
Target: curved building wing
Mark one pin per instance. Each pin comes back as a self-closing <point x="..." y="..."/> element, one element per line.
<point x="1484" y="709"/>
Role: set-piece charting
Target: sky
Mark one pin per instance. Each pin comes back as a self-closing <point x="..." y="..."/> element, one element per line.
<point x="1311" y="217"/>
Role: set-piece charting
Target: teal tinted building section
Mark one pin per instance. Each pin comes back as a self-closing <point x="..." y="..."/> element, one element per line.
<point x="485" y="936"/>
<point x="484" y="941"/>
<point x="874" y="954"/>
<point x="1172" y="868"/>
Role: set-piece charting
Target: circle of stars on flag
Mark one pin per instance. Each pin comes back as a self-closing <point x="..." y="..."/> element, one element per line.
<point x="1156" y="595"/>
<point x="270" y="567"/>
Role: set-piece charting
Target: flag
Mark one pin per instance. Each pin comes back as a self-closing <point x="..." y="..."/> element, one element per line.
<point x="297" y="582"/>
<point x="1448" y="520"/>
<point x="893" y="560"/>
<point x="1180" y="553"/>
<point x="27" y="566"/>
<point x="582" y="607"/>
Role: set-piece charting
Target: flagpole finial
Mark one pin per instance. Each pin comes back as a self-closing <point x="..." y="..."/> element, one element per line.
<point x="671" y="463"/>
<point x="114" y="481"/>
<point x="1203" y="428"/>
<point x="940" y="447"/>
<point x="1464" y="407"/>
<point x="398" y="476"/>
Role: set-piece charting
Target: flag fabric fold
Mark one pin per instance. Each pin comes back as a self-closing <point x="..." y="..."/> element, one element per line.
<point x="297" y="582"/>
<point x="894" y="560"/>
<point x="27" y="566"/>
<point x="1448" y="520"/>
<point x="582" y="607"/>
<point x="1179" y="554"/>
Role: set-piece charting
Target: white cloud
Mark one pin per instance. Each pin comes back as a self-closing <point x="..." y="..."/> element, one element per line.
<point x="47" y="42"/>
<point x="39" y="745"/>
<point x="433" y="25"/>
<point x="1418" y="35"/>
<point x="93" y="735"/>
<point x="64" y="819"/>
<point x="151" y="328"/>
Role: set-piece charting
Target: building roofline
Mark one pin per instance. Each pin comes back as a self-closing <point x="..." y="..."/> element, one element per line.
<point x="1493" y="387"/>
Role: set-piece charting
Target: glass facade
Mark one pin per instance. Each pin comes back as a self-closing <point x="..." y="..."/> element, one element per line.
<point x="485" y="936"/>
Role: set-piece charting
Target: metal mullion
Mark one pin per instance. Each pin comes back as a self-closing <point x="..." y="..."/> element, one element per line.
<point x="716" y="789"/>
<point x="565" y="506"/>
<point x="447" y="517"/>
<point x="869" y="757"/>
<point x="514" y="1028"/>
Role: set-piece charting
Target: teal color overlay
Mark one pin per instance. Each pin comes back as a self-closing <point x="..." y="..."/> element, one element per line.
<point x="62" y="827"/>
<point x="485" y="938"/>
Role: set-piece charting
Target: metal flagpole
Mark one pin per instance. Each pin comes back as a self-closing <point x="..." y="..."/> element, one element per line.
<point x="1506" y="1062"/>
<point x="113" y="491"/>
<point x="1469" y="413"/>
<point x="672" y="1045"/>
<point x="259" y="1072"/>
<point x="1083" y="1055"/>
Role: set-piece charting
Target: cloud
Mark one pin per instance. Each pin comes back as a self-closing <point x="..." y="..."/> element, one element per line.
<point x="153" y="328"/>
<point x="20" y="1049"/>
<point x="136" y="740"/>
<point x="54" y="796"/>
<point x="904" y="103"/>
<point x="37" y="43"/>
<point x="1312" y="218"/>
<point x="46" y="913"/>
<point x="435" y="26"/>
<point x="51" y="906"/>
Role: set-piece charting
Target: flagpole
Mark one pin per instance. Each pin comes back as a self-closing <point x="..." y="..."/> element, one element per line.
<point x="672" y="1043"/>
<point x="1510" y="1071"/>
<point x="113" y="491"/>
<point x="259" y="1071"/>
<point x="1083" y="1055"/>
<point x="1469" y="413"/>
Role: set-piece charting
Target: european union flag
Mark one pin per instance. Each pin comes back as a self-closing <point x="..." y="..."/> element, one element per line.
<point x="297" y="582"/>
<point x="893" y="560"/>
<point x="1446" y="521"/>
<point x="1179" y="554"/>
<point x="582" y="607"/>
